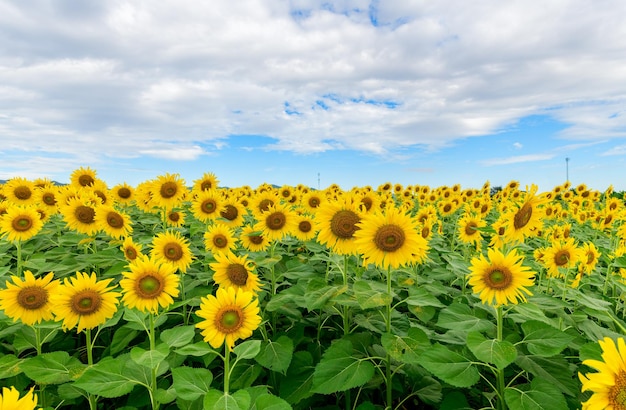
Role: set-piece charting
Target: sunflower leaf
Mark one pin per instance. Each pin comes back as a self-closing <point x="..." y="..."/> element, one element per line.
<point x="276" y="355"/>
<point x="51" y="368"/>
<point x="191" y="383"/>
<point x="107" y="378"/>
<point x="271" y="402"/>
<point x="340" y="370"/>
<point x="248" y="349"/>
<point x="538" y="395"/>
<point x="498" y="352"/>
<point x="450" y="366"/>
<point x="178" y="336"/>
<point x="544" y="340"/>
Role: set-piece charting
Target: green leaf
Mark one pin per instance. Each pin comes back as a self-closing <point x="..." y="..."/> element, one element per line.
<point x="297" y="384"/>
<point x="406" y="349"/>
<point x="217" y="400"/>
<point x="498" y="352"/>
<point x="52" y="368"/>
<point x="196" y="349"/>
<point x="191" y="383"/>
<point x="122" y="338"/>
<point x="178" y="336"/>
<point x="450" y="366"/>
<point x="107" y="378"/>
<point x="248" y="349"/>
<point x="544" y="340"/>
<point x="318" y="294"/>
<point x="371" y="294"/>
<point x="271" y="402"/>
<point x="340" y="370"/>
<point x="149" y="358"/>
<point x="135" y="319"/>
<point x="458" y="316"/>
<point x="554" y="370"/>
<point x="421" y="297"/>
<point x="538" y="395"/>
<point x="9" y="366"/>
<point x="276" y="355"/>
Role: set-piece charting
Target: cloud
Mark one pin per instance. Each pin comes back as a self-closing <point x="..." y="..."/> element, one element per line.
<point x="616" y="150"/>
<point x="174" y="152"/>
<point x="517" y="145"/>
<point x="517" y="159"/>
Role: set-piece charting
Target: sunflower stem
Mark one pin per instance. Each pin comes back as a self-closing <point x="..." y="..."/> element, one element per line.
<point x="500" y="372"/>
<point x="388" y="373"/>
<point x="18" y="247"/>
<point x="226" y="369"/>
<point x="153" y="371"/>
<point x="93" y="399"/>
<point x="346" y="323"/>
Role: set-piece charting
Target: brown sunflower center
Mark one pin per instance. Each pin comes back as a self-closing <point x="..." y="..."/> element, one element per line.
<point x="85" y="180"/>
<point x="447" y="208"/>
<point x="22" y="192"/>
<point x="617" y="392"/>
<point x="123" y="193"/>
<point x="230" y="212"/>
<point x="522" y="216"/>
<point x="305" y="226"/>
<point x="32" y="297"/>
<point x="220" y="241"/>
<point x="22" y="223"/>
<point x="86" y="302"/>
<point x="229" y="320"/>
<point x="149" y="286"/>
<point x="237" y="274"/>
<point x="115" y="220"/>
<point x="131" y="253"/>
<point x="265" y="204"/>
<point x="84" y="214"/>
<point x="367" y="203"/>
<point x="49" y="199"/>
<point x="101" y="195"/>
<point x="276" y="221"/>
<point x="206" y="185"/>
<point x="173" y="216"/>
<point x="425" y="232"/>
<point x="343" y="224"/>
<point x="168" y="189"/>
<point x="173" y="251"/>
<point x="314" y="202"/>
<point x="470" y="228"/>
<point x="591" y="257"/>
<point x="498" y="278"/>
<point x="256" y="239"/>
<point x="208" y="206"/>
<point x="562" y="257"/>
<point x="389" y="238"/>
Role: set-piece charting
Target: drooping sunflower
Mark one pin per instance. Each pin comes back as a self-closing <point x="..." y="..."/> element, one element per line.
<point x="149" y="284"/>
<point x="277" y="222"/>
<point x="525" y="218"/>
<point x="83" y="177"/>
<point x="172" y="248"/>
<point x="305" y="228"/>
<point x="123" y="193"/>
<point x="10" y="399"/>
<point x="80" y="213"/>
<point x="390" y="240"/>
<point x="590" y="257"/>
<point x="500" y="278"/>
<point x="19" y="191"/>
<point x="219" y="238"/>
<point x="20" y="223"/>
<point x="230" y="315"/>
<point x="28" y="299"/>
<point x="253" y="240"/>
<point x="562" y="254"/>
<point x="84" y="301"/>
<point x="207" y="182"/>
<point x="131" y="249"/>
<point x="206" y="205"/>
<point x="114" y="223"/>
<point x="168" y="190"/>
<point x="337" y="221"/>
<point x="235" y="271"/>
<point x="608" y="384"/>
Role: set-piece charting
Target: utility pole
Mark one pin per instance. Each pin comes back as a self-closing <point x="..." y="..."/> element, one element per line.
<point x="566" y="169"/>
<point x="318" y="181"/>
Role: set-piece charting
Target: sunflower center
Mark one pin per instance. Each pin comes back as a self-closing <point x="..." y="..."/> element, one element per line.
<point x="149" y="286"/>
<point x="305" y="226"/>
<point x="206" y="185"/>
<point x="265" y="204"/>
<point x="49" y="199"/>
<point x="425" y="232"/>
<point x="173" y="216"/>
<point x="276" y="221"/>
<point x="115" y="220"/>
<point x="101" y="195"/>
<point x="220" y="241"/>
<point x="168" y="189"/>
<point x="230" y="212"/>
<point x="173" y="251"/>
<point x="447" y="208"/>
<point x="617" y="393"/>
<point x="229" y="320"/>
<point x="22" y="192"/>
<point x="498" y="278"/>
<point x="343" y="224"/>
<point x="522" y="217"/>
<point x="562" y="257"/>
<point x="131" y="253"/>
<point x="237" y="274"/>
<point x="86" y="302"/>
<point x="32" y="298"/>
<point x="389" y="238"/>
<point x="590" y="258"/>
<point x="123" y="193"/>
<point x="85" y="180"/>
<point x="208" y="206"/>
<point x="84" y="214"/>
<point x="314" y="202"/>
<point x="256" y="239"/>
<point x="22" y="223"/>
<point x="470" y="228"/>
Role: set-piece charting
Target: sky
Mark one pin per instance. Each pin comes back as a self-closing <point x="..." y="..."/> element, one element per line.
<point x="351" y="92"/>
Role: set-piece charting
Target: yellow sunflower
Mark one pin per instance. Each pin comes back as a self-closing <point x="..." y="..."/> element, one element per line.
<point x="563" y="254"/>
<point x="131" y="249"/>
<point x="83" y="177"/>
<point x="46" y="197"/>
<point x="123" y="193"/>
<point x="312" y="200"/>
<point x="84" y="301"/>
<point x="28" y="299"/>
<point x="468" y="229"/>
<point x="277" y="222"/>
<point x="390" y="239"/>
<point x="219" y="238"/>
<point x="262" y="201"/>
<point x="253" y="240"/>
<point x="207" y="182"/>
<point x="305" y="228"/>
<point x="172" y="248"/>
<point x="590" y="257"/>
<point x="20" y="223"/>
<point x="230" y="315"/>
<point x="235" y="271"/>
<point x="232" y="212"/>
<point x="207" y="205"/>
<point x="608" y="384"/>
<point x="168" y="190"/>
<point x="175" y="218"/>
<point x="526" y="219"/>
<point x="80" y="213"/>
<point x="337" y="221"/>
<point x="114" y="223"/>
<point x="149" y="284"/>
<point x="10" y="399"/>
<point x="500" y="278"/>
<point x="19" y="191"/>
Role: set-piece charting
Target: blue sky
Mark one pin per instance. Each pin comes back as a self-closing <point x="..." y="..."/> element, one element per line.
<point x="359" y="92"/>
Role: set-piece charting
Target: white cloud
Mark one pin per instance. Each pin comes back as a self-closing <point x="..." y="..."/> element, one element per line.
<point x="616" y="150"/>
<point x="517" y="145"/>
<point x="517" y="159"/>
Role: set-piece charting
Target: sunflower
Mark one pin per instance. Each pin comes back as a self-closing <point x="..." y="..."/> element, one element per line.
<point x="131" y="249"/>
<point x="500" y="278"/>
<point x="114" y="223"/>
<point x="84" y="301"/>
<point x="390" y="239"/>
<point x="608" y="384"/>
<point x="262" y="201"/>
<point x="337" y="221"/>
<point x="175" y="218"/>
<point x="526" y="218"/>
<point x="123" y="193"/>
<point x="83" y="177"/>
<point x="219" y="238"/>
<point x="10" y="399"/>
<point x="79" y="213"/>
<point x="312" y="200"/>
<point x="20" y="223"/>
<point x="468" y="229"/>
<point x="253" y="240"/>
<point x="232" y="212"/>
<point x="206" y="205"/>
<point x="590" y="257"/>
<point x="446" y="207"/>
<point x="305" y="228"/>
<point x="369" y="201"/>
<point x="207" y="182"/>
<point x="172" y="248"/>
<point x="277" y="222"/>
<point x="20" y="191"/>
<point x="28" y="299"/>
<point x="149" y="284"/>
<point x="46" y="197"/>
<point x="168" y="190"/>
<point x="562" y="254"/>
<point x="235" y="271"/>
<point x="230" y="315"/>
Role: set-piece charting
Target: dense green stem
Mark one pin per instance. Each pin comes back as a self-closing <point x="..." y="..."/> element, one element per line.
<point x="388" y="375"/>
<point x="18" y="246"/>
<point x="153" y="371"/>
<point x="93" y="399"/>
<point x="226" y="369"/>
<point x="500" y="372"/>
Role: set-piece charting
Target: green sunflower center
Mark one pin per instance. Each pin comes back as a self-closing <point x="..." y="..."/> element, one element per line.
<point x="343" y="224"/>
<point x="173" y="251"/>
<point x="149" y="286"/>
<point x="498" y="278"/>
<point x="131" y="253"/>
<point x="208" y="206"/>
<point x="237" y="274"/>
<point x="84" y="214"/>
<point x="229" y="320"/>
<point x="22" y="223"/>
<point x="32" y="297"/>
<point x="86" y="302"/>
<point x="389" y="238"/>
<point x="522" y="216"/>
<point x="49" y="199"/>
<point x="168" y="189"/>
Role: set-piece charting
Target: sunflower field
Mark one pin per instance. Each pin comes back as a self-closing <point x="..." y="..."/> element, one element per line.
<point x="173" y="296"/>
